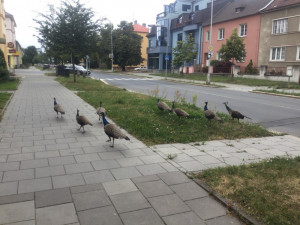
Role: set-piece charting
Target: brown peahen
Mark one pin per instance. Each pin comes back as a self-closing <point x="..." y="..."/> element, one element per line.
<point x="235" y="114"/>
<point x="82" y="121"/>
<point x="101" y="110"/>
<point x="210" y="114"/>
<point x="179" y="112"/>
<point x="58" y="108"/>
<point x="163" y="106"/>
<point x="112" y="131"/>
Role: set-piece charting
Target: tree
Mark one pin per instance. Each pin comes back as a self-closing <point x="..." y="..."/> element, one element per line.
<point x="68" y="32"/>
<point x="234" y="49"/>
<point x="184" y="52"/>
<point x="126" y="46"/>
<point x="29" y="55"/>
<point x="4" y="74"/>
<point x="105" y="45"/>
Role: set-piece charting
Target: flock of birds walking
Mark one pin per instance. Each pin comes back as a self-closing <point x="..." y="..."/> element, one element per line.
<point x="113" y="132"/>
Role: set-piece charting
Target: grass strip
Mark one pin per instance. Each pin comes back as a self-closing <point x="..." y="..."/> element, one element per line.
<point x="235" y="80"/>
<point x="9" y="85"/>
<point x="279" y="92"/>
<point x="139" y="115"/>
<point x="4" y="97"/>
<point x="269" y="191"/>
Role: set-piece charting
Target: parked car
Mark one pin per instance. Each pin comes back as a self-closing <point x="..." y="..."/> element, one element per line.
<point x="46" y="66"/>
<point x="141" y="68"/>
<point x="79" y="69"/>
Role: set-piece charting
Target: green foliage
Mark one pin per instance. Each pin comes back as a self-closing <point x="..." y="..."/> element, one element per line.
<point x="30" y="54"/>
<point x="126" y="46"/>
<point x="68" y="32"/>
<point x="234" y="49"/>
<point x="250" y="69"/>
<point x="184" y="51"/>
<point x="4" y="73"/>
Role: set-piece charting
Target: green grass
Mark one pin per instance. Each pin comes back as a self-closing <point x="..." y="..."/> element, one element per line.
<point x="50" y="74"/>
<point x="235" y="80"/>
<point x="279" y="92"/>
<point x="9" y="85"/>
<point x="269" y="191"/>
<point x="4" y="97"/>
<point x="138" y="114"/>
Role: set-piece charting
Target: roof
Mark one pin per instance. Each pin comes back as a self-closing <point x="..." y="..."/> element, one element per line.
<point x="276" y="4"/>
<point x="140" y="29"/>
<point x="238" y="9"/>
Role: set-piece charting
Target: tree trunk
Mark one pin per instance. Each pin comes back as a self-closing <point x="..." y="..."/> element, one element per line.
<point x="74" y="75"/>
<point x="231" y="69"/>
<point x="123" y="68"/>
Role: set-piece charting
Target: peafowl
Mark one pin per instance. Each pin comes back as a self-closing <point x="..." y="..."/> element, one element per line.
<point x="235" y="114"/>
<point x="210" y="114"/>
<point x="112" y="131"/>
<point x="179" y="112"/>
<point x="163" y="106"/>
<point x="101" y="110"/>
<point x="58" y="108"/>
<point x="82" y="121"/>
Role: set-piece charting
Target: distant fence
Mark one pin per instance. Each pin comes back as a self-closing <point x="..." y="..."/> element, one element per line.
<point x="275" y="71"/>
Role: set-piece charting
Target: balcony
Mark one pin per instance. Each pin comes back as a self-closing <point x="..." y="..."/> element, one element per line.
<point x="160" y="15"/>
<point x="190" y="27"/>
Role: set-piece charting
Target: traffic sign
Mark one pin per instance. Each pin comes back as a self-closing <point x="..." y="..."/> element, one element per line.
<point x="210" y="48"/>
<point x="167" y="57"/>
<point x="210" y="54"/>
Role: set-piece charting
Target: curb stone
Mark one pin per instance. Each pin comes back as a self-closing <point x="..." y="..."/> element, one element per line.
<point x="281" y="95"/>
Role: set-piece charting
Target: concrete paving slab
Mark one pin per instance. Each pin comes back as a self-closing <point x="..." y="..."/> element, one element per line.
<point x="105" y="164"/>
<point x="189" y="191"/>
<point x="16" y="212"/>
<point x="174" y="178"/>
<point x="35" y="163"/>
<point x="151" y="169"/>
<point x="111" y="155"/>
<point x="87" y="157"/>
<point x="187" y="218"/>
<point x="130" y="201"/>
<point x="154" y="188"/>
<point x="18" y="175"/>
<point x="90" y="200"/>
<point x="119" y="186"/>
<point x="64" y="160"/>
<point x="67" y="180"/>
<point x="141" y="217"/>
<point x="86" y="188"/>
<point x="168" y="205"/>
<point x="100" y="216"/>
<point x="49" y="171"/>
<point x="124" y="173"/>
<point x="144" y="179"/>
<point x="16" y="198"/>
<point x="58" y="215"/>
<point x="52" y="197"/>
<point x="78" y="168"/>
<point x="33" y="185"/>
<point x="98" y="177"/>
<point x="207" y="208"/>
<point x="224" y="220"/>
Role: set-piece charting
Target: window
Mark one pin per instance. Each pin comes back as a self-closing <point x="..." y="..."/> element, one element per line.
<point x="243" y="30"/>
<point x="239" y="9"/>
<point x="277" y="54"/>
<point x="298" y="53"/>
<point x="186" y="7"/>
<point x="207" y="36"/>
<point x="196" y="7"/>
<point x="218" y="56"/>
<point x="150" y="43"/>
<point x="280" y="26"/>
<point x="179" y="20"/>
<point x="179" y="37"/>
<point x="221" y="34"/>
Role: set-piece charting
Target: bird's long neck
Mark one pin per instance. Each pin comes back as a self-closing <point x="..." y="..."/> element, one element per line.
<point x="227" y="107"/>
<point x="173" y="105"/>
<point x="205" y="107"/>
<point x="100" y="104"/>
<point x="55" y="103"/>
<point x="157" y="101"/>
<point x="105" y="122"/>
<point x="77" y="113"/>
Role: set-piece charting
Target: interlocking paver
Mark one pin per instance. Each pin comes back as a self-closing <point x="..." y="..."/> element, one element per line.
<point x="86" y="188"/>
<point x="58" y="214"/>
<point x="111" y="155"/>
<point x="33" y="185"/>
<point x="19" y="157"/>
<point x="70" y="152"/>
<point x="119" y="186"/>
<point x="87" y="157"/>
<point x="143" y="216"/>
<point x="16" y="198"/>
<point x="78" y="168"/>
<point x="52" y="197"/>
<point x="9" y="188"/>
<point x="89" y="200"/>
<point x="64" y="160"/>
<point x="105" y="164"/>
<point x="46" y="154"/>
<point x="134" y="161"/>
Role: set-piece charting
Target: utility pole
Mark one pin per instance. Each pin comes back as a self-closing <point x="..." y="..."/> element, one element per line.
<point x="210" y="48"/>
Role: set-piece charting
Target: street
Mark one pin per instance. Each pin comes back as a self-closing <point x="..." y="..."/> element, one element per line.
<point x="280" y="114"/>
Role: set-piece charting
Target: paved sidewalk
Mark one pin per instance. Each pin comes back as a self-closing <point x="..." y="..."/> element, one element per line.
<point x="50" y="173"/>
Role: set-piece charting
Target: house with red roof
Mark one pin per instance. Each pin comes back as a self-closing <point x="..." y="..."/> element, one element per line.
<point x="142" y="30"/>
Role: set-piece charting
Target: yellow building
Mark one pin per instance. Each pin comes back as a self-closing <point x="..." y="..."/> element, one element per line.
<point x="142" y="30"/>
<point x="3" y="31"/>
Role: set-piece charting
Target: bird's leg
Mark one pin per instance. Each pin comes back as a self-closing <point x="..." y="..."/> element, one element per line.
<point x="57" y="114"/>
<point x="108" y="139"/>
<point x="79" y="128"/>
<point x="113" y="143"/>
<point x="83" y="129"/>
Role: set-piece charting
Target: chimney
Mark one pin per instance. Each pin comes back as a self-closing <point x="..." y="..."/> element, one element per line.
<point x="144" y="25"/>
<point x="135" y="22"/>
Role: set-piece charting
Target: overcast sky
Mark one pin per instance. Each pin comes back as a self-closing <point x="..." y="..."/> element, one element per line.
<point x="144" y="11"/>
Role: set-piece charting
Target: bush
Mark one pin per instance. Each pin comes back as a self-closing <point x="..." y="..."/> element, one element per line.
<point x="4" y="74"/>
<point x="222" y="67"/>
<point x="204" y="69"/>
<point x="250" y="69"/>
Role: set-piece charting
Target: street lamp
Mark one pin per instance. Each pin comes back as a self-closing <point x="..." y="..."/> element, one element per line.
<point x="210" y="45"/>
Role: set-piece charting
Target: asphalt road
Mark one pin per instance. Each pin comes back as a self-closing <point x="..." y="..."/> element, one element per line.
<point x="276" y="113"/>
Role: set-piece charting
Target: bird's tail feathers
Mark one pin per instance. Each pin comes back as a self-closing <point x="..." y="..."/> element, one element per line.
<point x="127" y="138"/>
<point x="248" y="117"/>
